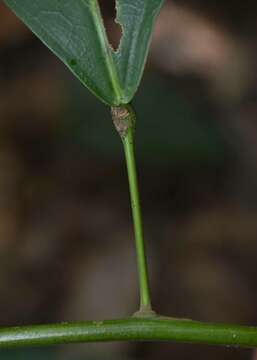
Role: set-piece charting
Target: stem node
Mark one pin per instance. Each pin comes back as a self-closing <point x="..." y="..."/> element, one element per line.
<point x="123" y="118"/>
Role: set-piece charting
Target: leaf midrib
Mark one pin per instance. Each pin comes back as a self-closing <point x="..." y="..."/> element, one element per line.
<point x="106" y="48"/>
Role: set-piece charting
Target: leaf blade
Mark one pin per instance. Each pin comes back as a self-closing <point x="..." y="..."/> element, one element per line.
<point x="137" y="18"/>
<point x="74" y="31"/>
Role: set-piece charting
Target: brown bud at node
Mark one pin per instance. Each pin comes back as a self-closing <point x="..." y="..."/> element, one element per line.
<point x="122" y="119"/>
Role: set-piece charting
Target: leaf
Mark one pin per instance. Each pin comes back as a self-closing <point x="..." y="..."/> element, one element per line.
<point x="74" y="31"/>
<point x="137" y="19"/>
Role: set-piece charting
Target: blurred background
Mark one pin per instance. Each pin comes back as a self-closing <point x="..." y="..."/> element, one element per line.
<point x="66" y="239"/>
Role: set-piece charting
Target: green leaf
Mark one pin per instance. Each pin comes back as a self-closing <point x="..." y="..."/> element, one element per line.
<point x="74" y="31"/>
<point x="137" y="19"/>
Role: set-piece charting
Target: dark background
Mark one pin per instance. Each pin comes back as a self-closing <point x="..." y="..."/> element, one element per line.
<point x="66" y="240"/>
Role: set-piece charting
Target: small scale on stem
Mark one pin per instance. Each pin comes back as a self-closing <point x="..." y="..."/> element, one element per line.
<point x="124" y="119"/>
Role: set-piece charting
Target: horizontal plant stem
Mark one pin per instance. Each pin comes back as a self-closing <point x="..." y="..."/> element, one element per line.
<point x="133" y="329"/>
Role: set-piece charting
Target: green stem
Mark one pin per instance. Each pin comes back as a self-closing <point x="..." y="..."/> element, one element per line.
<point x="155" y="329"/>
<point x="124" y="120"/>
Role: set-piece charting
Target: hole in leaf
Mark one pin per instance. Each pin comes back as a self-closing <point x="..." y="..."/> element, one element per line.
<point x="113" y="30"/>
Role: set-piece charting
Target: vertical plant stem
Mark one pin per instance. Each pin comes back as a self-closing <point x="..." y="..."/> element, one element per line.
<point x="124" y="120"/>
<point x="129" y="149"/>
